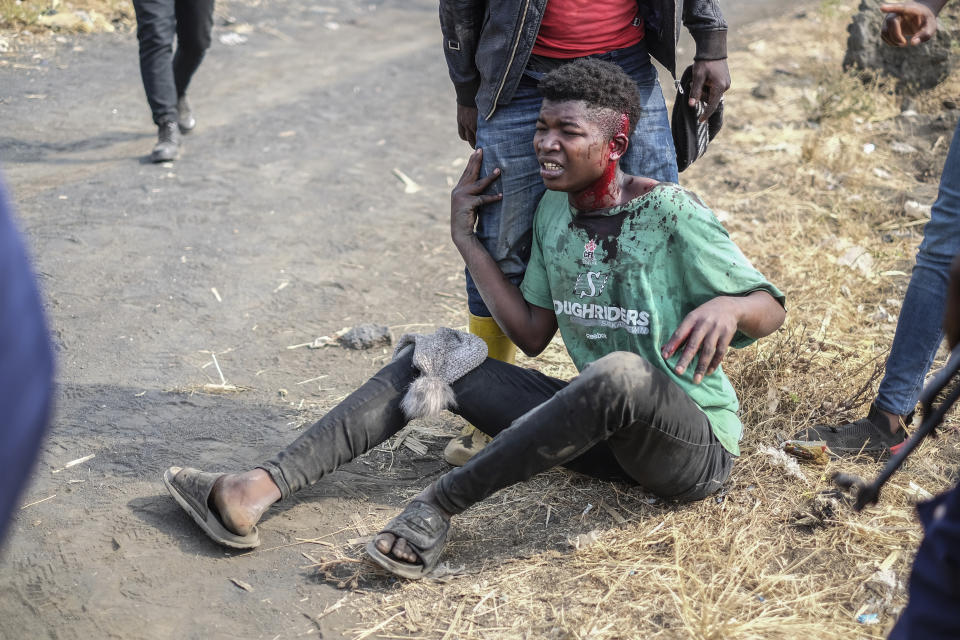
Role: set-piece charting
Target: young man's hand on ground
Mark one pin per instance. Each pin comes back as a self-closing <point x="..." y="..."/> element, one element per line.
<point x="911" y="23"/>
<point x="468" y="196"/>
<point x="708" y="329"/>
<point x="711" y="79"/>
<point x="467" y="124"/>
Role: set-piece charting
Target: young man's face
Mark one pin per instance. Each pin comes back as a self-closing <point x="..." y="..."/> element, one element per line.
<point x="571" y="145"/>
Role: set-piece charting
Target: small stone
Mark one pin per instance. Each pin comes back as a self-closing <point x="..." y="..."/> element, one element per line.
<point x="763" y="91"/>
<point x="902" y="147"/>
<point x="857" y="258"/>
<point x="949" y="104"/>
<point x="60" y="20"/>
<point x="232" y="39"/>
<point x="916" y="210"/>
<point x="366" y="336"/>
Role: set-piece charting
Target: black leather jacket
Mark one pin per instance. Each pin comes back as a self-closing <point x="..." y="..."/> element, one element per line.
<point x="487" y="42"/>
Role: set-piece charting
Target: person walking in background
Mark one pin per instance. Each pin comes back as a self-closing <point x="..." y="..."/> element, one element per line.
<point x="26" y="368"/>
<point x="497" y="52"/>
<point x="166" y="75"/>
<point x="919" y="330"/>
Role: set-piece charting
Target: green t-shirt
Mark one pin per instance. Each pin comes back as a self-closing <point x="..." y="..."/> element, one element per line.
<point x="624" y="280"/>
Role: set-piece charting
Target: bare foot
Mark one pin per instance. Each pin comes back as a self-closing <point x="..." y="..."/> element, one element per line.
<point x="240" y="499"/>
<point x="391" y="545"/>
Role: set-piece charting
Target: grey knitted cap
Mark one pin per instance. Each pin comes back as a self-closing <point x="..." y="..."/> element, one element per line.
<point x="442" y="358"/>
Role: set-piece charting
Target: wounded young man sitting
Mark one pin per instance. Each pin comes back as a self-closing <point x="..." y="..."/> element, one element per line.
<point x="648" y="292"/>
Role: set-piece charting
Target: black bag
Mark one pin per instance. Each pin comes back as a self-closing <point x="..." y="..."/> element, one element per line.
<point x="690" y="136"/>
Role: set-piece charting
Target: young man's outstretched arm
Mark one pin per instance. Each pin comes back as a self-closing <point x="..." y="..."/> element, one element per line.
<point x="530" y="327"/>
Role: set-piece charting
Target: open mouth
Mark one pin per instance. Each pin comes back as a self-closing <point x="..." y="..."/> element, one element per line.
<point x="550" y="169"/>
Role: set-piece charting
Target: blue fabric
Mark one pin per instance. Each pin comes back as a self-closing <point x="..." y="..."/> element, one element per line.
<point x="504" y="227"/>
<point x="26" y="367"/>
<point x="919" y="328"/>
<point x="932" y="612"/>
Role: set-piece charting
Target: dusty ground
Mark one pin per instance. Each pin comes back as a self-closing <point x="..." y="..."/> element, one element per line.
<point x="283" y="222"/>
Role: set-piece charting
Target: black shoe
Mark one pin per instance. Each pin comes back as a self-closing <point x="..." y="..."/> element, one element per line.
<point x="868" y="436"/>
<point x="185" y="113"/>
<point x="168" y="143"/>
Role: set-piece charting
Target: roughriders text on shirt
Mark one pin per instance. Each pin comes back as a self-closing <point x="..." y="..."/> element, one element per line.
<point x="595" y="315"/>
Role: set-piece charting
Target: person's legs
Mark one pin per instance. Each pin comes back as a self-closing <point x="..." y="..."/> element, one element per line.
<point x="504" y="227"/>
<point x="658" y="435"/>
<point x="194" y="22"/>
<point x="497" y="393"/>
<point x="156" y="27"/>
<point x="919" y="330"/>
<point x="621" y="404"/>
<point x="919" y="327"/>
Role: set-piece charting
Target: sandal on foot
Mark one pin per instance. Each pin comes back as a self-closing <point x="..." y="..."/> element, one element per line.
<point x="425" y="530"/>
<point x="191" y="489"/>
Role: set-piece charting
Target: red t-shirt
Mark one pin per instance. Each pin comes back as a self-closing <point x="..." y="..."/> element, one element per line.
<point x="576" y="28"/>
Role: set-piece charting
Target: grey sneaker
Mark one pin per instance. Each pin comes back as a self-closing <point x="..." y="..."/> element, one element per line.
<point x="168" y="142"/>
<point x="185" y="114"/>
<point x="868" y="436"/>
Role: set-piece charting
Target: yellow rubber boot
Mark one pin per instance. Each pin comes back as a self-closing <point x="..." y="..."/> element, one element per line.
<point x="499" y="347"/>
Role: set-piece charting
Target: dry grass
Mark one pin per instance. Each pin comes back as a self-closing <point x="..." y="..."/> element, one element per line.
<point x="773" y="557"/>
<point x="26" y="15"/>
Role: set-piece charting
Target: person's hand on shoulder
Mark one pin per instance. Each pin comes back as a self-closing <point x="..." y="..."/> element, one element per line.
<point x="468" y="196"/>
<point x="909" y="24"/>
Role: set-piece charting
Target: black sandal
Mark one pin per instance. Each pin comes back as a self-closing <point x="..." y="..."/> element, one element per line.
<point x="425" y="529"/>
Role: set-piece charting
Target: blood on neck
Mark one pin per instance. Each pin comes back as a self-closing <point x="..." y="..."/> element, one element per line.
<point x="605" y="191"/>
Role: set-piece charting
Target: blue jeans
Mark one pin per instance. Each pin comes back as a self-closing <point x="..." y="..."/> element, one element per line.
<point x="920" y="326"/>
<point x="504" y="227"/>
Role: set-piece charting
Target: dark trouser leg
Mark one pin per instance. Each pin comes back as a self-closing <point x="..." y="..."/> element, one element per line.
<point x="659" y="437"/>
<point x="156" y="27"/>
<point x="495" y="394"/>
<point x="194" y="22"/>
<point x="367" y="417"/>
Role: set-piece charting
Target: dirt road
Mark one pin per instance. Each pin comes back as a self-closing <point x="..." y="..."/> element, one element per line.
<point x="283" y="221"/>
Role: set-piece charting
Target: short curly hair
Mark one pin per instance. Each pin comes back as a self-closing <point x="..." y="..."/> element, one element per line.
<point x="602" y="85"/>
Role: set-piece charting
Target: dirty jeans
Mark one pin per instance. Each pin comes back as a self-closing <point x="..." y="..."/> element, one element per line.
<point x="504" y="227"/>
<point x="621" y="419"/>
<point x="165" y="75"/>
<point x="920" y="325"/>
